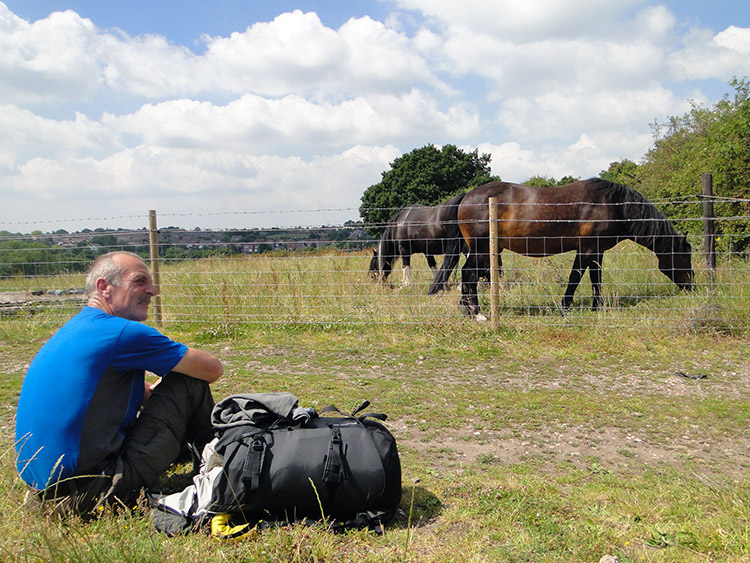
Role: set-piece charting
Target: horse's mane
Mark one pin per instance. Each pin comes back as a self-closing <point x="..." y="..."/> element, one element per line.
<point x="455" y="200"/>
<point x="388" y="231"/>
<point x="393" y="222"/>
<point x="648" y="226"/>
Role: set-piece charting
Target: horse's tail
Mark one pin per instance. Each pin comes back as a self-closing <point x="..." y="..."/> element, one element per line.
<point x="453" y="246"/>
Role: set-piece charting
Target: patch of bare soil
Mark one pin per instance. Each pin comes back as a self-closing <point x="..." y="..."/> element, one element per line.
<point x="602" y="449"/>
<point x="584" y="446"/>
<point x="591" y="446"/>
<point x="14" y="302"/>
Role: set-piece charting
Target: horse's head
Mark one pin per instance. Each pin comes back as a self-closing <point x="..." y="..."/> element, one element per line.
<point x="381" y="262"/>
<point x="374" y="269"/>
<point x="677" y="264"/>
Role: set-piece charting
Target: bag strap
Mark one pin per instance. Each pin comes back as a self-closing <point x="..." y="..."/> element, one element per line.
<point x="331" y="408"/>
<point x="361" y="407"/>
<point x="379" y="415"/>
<point x="333" y="470"/>
<point x="355" y="412"/>
<point x="256" y="454"/>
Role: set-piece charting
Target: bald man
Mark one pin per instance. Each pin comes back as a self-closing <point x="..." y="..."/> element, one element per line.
<point x="89" y="427"/>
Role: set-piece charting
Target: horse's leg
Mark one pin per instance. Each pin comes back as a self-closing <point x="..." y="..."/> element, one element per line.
<point x="583" y="261"/>
<point x="595" y="273"/>
<point x="432" y="264"/>
<point x="386" y="271"/>
<point x="576" y="273"/>
<point x="469" y="300"/>
<point x="406" y="269"/>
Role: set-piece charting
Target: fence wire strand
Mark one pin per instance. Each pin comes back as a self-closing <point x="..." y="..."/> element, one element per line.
<point x="321" y="275"/>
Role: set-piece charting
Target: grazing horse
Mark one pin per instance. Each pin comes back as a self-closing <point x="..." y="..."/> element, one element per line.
<point x="588" y="216"/>
<point x="432" y="231"/>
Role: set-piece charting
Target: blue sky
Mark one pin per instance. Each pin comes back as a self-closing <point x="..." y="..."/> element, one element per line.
<point x="237" y="113"/>
<point x="185" y="22"/>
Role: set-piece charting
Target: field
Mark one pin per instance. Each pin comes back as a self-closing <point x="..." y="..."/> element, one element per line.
<point x="553" y="437"/>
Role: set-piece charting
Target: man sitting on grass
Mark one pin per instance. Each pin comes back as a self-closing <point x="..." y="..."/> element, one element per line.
<point x="89" y="428"/>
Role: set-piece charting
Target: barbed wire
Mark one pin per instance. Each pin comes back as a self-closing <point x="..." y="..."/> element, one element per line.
<point x="698" y="200"/>
<point x="291" y="287"/>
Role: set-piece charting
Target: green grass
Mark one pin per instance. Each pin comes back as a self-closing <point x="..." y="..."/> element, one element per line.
<point x="553" y="438"/>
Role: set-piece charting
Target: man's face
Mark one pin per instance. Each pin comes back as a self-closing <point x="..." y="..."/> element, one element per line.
<point x="131" y="299"/>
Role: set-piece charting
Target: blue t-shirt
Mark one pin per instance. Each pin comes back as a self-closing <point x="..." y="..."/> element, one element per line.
<point x="82" y="393"/>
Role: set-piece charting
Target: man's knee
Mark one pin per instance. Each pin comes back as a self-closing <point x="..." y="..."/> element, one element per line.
<point x="179" y="397"/>
<point x="188" y="390"/>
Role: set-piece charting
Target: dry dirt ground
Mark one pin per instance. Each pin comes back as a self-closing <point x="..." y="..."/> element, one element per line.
<point x="635" y="445"/>
<point x="14" y="302"/>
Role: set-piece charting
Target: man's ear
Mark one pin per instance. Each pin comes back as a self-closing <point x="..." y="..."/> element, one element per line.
<point x="102" y="286"/>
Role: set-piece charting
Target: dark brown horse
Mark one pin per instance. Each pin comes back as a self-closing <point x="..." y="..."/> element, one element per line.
<point x="589" y="217"/>
<point x="432" y="231"/>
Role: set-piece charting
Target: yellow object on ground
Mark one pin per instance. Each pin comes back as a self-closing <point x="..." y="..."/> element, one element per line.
<point x="222" y="529"/>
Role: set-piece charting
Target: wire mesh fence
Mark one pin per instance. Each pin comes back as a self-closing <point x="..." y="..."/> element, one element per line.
<point x="218" y="278"/>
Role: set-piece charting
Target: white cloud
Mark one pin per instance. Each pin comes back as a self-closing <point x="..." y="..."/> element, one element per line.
<point x="555" y="63"/>
<point x="64" y="57"/>
<point x="564" y="116"/>
<point x="149" y="66"/>
<point x="292" y="114"/>
<point x="735" y="38"/>
<point x="585" y="157"/>
<point x="655" y="22"/>
<point x="262" y="125"/>
<point x="706" y="55"/>
<point x="524" y="21"/>
<point x="296" y="53"/>
<point x="27" y="135"/>
<point x="195" y="182"/>
<point x="509" y="160"/>
<point x="52" y="59"/>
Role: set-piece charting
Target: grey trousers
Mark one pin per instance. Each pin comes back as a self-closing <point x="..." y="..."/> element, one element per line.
<point x="178" y="413"/>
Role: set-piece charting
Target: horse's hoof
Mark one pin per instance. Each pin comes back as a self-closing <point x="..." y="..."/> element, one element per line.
<point x="480" y="318"/>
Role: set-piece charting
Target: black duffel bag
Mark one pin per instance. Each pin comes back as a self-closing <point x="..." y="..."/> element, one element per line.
<point x="304" y="465"/>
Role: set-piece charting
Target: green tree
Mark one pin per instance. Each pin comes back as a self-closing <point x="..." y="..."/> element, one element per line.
<point x="712" y="140"/>
<point x="622" y="172"/>
<point x="105" y="240"/>
<point x="549" y="182"/>
<point x="540" y="182"/>
<point x="427" y="175"/>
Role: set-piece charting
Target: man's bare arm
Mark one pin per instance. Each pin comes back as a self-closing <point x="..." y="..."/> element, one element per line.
<point x="200" y="364"/>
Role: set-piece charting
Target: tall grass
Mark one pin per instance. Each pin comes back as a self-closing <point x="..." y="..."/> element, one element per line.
<point x="334" y="288"/>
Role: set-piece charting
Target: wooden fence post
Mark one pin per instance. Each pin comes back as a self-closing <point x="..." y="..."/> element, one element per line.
<point x="153" y="242"/>
<point x="707" y="186"/>
<point x="494" y="273"/>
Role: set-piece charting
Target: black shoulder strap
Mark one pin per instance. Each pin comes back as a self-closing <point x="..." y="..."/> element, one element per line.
<point x="256" y="454"/>
<point x="333" y="471"/>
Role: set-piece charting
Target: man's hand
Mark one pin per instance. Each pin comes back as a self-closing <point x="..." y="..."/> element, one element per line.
<point x="148" y="389"/>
